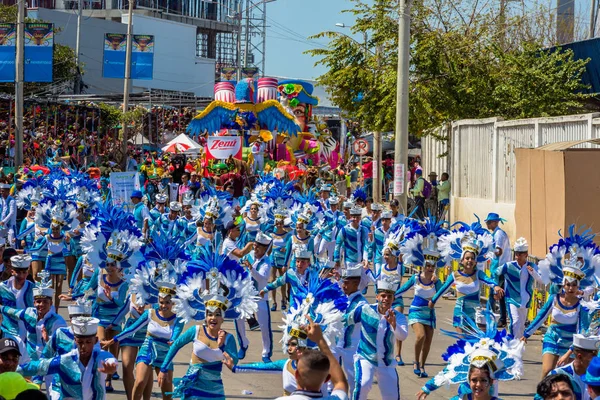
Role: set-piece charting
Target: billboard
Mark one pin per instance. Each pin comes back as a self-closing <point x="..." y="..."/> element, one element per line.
<point x="39" y="51"/>
<point x="221" y="147"/>
<point x="115" y="52"/>
<point x="8" y="52"/>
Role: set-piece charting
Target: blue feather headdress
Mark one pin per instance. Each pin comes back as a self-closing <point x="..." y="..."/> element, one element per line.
<point x="422" y="244"/>
<point x="477" y="240"/>
<point x="358" y="194"/>
<point x="230" y="288"/>
<point x="582" y="263"/>
<point x="29" y="197"/>
<point x="219" y="209"/>
<point x="323" y="300"/>
<point x="57" y="213"/>
<point x="476" y="347"/>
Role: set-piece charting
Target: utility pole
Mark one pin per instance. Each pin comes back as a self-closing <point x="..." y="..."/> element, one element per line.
<point x="401" y="141"/>
<point x="77" y="87"/>
<point x="377" y="178"/>
<point x="127" y="81"/>
<point x="19" y="78"/>
<point x="593" y="16"/>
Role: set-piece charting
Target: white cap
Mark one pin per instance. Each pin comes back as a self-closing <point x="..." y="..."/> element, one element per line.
<point x="161" y="198"/>
<point x="166" y="288"/>
<point x="175" y="206"/>
<point x="263" y="239"/>
<point x="348" y="204"/>
<point x="376" y="207"/>
<point x="301" y="251"/>
<point x="521" y="245"/>
<point x="325" y="187"/>
<point x="21" y="261"/>
<point x="84" y="309"/>
<point x="356" y="211"/>
<point x="388" y="283"/>
<point x="386" y="215"/>
<point x="484" y="356"/>
<point x="85" y="326"/>
<point x="43" y="292"/>
<point x="4" y="186"/>
<point x="353" y="271"/>
<point x="586" y="342"/>
<point x="304" y="218"/>
<point x="334" y="200"/>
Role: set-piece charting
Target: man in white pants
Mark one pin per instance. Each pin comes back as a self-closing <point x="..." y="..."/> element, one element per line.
<point x="348" y="342"/>
<point x="381" y="325"/>
<point x="259" y="265"/>
<point x="518" y="286"/>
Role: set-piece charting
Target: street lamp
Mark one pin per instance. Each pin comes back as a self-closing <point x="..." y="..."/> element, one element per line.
<point x="377" y="179"/>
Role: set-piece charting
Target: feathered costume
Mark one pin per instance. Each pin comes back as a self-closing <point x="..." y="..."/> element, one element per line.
<point x="504" y="352"/>
<point x="230" y="290"/>
<point x="453" y="247"/>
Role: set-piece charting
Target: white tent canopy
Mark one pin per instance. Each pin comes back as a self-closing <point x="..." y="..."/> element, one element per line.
<point x="183" y="139"/>
<point x="139" y="140"/>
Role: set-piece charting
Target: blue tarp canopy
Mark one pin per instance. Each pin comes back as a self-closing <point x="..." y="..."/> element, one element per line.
<point x="587" y="49"/>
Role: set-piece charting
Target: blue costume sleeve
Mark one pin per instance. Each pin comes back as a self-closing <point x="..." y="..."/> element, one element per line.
<point x="585" y="317"/>
<point x="355" y="317"/>
<point x="139" y="323"/>
<point x="50" y="347"/>
<point x="19" y="315"/>
<point x="367" y="249"/>
<point x="274" y="367"/>
<point x="407" y="285"/>
<point x="187" y="337"/>
<point x="122" y="312"/>
<point x="76" y="271"/>
<point x="280" y="281"/>
<point x="438" y="284"/>
<point x="541" y="316"/>
<point x="231" y="348"/>
<point x="288" y="249"/>
<point x="91" y="285"/>
<point x="443" y="289"/>
<point x="39" y="244"/>
<point x="177" y="329"/>
<point x="491" y="282"/>
<point x="339" y="242"/>
<point x="42" y="367"/>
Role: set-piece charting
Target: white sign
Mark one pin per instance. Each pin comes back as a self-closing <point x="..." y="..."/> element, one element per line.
<point x="173" y="191"/>
<point x="399" y="181"/>
<point x="360" y="147"/>
<point x="221" y="147"/>
<point x="122" y="184"/>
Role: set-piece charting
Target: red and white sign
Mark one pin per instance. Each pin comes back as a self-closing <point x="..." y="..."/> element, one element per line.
<point x="360" y="147"/>
<point x="221" y="147"/>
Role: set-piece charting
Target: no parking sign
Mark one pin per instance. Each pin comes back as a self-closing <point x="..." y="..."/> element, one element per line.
<point x="360" y="147"/>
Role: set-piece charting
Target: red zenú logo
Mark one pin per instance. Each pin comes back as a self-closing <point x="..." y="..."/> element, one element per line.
<point x="223" y="144"/>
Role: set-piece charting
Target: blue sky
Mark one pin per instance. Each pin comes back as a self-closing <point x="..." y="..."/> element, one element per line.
<point x="290" y="22"/>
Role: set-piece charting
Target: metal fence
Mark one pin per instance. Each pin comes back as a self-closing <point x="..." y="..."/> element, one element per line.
<point x="479" y="154"/>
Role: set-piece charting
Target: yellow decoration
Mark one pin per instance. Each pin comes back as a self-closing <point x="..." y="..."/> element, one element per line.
<point x="266" y="135"/>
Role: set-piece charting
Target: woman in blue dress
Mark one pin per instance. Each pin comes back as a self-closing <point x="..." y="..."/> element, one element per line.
<point x="280" y="236"/>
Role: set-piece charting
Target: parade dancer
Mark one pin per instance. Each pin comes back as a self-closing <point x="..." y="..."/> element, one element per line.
<point x="348" y="343"/>
<point x="297" y="277"/>
<point x="480" y="344"/>
<point x="585" y="347"/>
<point x="160" y="207"/>
<point x="518" y="286"/>
<point x="569" y="315"/>
<point x="254" y="219"/>
<point x="380" y="236"/>
<point x="140" y="211"/>
<point x="55" y="244"/>
<point x="470" y="249"/>
<point x="171" y="224"/>
<point x="82" y="371"/>
<point x="421" y="251"/>
<point x="353" y="243"/>
<point x="8" y="215"/>
<point x="259" y="266"/>
<point x="230" y="293"/>
<point x="501" y="256"/>
<point x="323" y="300"/>
<point x="301" y="236"/>
<point x="28" y="198"/>
<point x="62" y="342"/>
<point x="330" y="226"/>
<point x="380" y="324"/>
<point x="280" y="236"/>
<point x="258" y="153"/>
<point x="17" y="292"/>
<point x="232" y="240"/>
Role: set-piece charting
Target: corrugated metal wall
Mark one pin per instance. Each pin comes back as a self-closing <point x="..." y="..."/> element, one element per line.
<point x="435" y="154"/>
<point x="482" y="161"/>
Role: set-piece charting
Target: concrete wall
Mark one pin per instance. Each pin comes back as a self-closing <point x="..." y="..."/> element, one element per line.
<point x="176" y="66"/>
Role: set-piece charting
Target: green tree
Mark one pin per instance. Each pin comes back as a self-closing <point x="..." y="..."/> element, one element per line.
<point x="466" y="62"/>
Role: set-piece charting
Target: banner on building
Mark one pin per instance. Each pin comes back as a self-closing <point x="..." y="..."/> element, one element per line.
<point x="228" y="74"/>
<point x="8" y="52"/>
<point x="115" y="53"/>
<point x="221" y="147"/>
<point x="122" y="184"/>
<point x="250" y="72"/>
<point x="39" y="52"/>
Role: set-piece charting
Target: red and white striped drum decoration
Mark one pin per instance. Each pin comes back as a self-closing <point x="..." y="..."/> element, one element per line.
<point x="225" y="91"/>
<point x="267" y="89"/>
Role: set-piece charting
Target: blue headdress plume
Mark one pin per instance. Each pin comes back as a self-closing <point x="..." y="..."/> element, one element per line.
<point x="421" y="244"/>
<point x="230" y="287"/>
<point x="323" y="300"/>
<point x="359" y="194"/>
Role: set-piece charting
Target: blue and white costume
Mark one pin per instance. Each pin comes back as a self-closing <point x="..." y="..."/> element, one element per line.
<point x="518" y="288"/>
<point x="353" y="243"/>
<point x="16" y="298"/>
<point x="260" y="271"/>
<point x="375" y="354"/>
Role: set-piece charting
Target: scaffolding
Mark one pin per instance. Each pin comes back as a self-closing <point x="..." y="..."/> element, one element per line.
<point x="253" y="34"/>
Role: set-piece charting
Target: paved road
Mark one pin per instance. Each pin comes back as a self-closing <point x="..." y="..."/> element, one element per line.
<point x="267" y="386"/>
